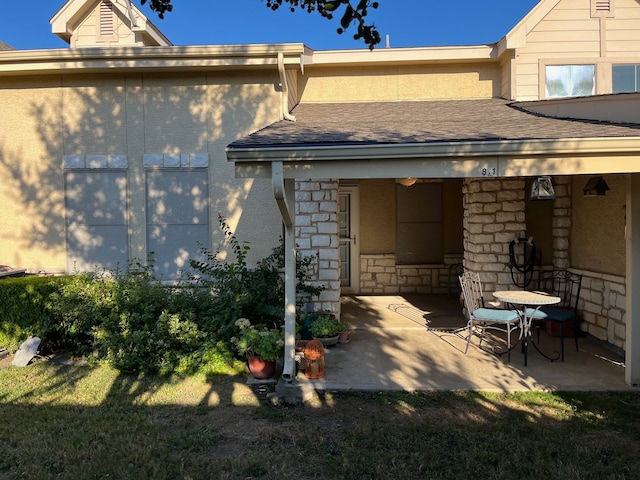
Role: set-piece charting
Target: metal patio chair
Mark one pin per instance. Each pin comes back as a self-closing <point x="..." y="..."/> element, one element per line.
<point x="566" y="285"/>
<point x="504" y="320"/>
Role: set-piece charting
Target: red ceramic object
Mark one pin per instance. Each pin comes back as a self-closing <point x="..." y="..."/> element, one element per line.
<point x="261" y="369"/>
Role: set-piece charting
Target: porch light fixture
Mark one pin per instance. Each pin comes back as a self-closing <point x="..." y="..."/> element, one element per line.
<point x="542" y="189"/>
<point x="406" y="182"/>
<point x="596" y="186"/>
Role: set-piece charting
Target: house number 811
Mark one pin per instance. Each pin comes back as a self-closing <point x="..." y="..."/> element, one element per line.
<point x="489" y="172"/>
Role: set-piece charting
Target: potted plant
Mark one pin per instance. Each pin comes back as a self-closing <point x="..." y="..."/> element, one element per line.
<point x="344" y="332"/>
<point x="326" y="329"/>
<point x="261" y="346"/>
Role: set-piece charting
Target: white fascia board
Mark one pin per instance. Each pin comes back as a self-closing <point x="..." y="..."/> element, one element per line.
<point x="471" y="159"/>
<point x="517" y="36"/>
<point x="384" y="56"/>
<point x="440" y="149"/>
<point x="147" y="58"/>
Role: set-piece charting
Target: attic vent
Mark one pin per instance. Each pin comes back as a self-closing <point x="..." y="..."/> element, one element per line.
<point x="106" y="19"/>
<point x="602" y="8"/>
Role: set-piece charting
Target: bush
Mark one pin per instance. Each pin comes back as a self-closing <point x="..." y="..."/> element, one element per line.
<point x="256" y="293"/>
<point x="135" y="323"/>
<point x="25" y="309"/>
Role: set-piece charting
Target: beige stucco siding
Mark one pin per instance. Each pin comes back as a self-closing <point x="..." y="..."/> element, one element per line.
<point x="47" y="118"/>
<point x="597" y="241"/>
<point x="31" y="202"/>
<point x="324" y="85"/>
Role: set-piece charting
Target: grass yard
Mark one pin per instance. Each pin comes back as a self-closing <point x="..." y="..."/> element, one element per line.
<point x="71" y="422"/>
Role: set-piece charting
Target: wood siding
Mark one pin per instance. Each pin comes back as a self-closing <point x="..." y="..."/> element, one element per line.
<point x="569" y="34"/>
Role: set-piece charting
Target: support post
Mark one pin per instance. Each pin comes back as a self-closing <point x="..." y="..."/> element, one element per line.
<point x="284" y="193"/>
<point x="632" y="343"/>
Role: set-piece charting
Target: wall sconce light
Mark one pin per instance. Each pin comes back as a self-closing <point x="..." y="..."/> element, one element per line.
<point x="542" y="189"/>
<point x="596" y="186"/>
<point x="406" y="182"/>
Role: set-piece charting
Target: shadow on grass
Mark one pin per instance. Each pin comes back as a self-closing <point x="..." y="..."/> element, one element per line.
<point x="79" y="422"/>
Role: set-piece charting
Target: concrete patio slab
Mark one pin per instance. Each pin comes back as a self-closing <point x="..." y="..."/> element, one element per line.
<point x="392" y="347"/>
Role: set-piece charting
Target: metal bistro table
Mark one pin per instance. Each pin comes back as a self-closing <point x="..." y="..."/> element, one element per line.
<point x="526" y="299"/>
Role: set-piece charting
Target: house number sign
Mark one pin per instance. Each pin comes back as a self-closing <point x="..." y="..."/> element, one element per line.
<point x="488" y="169"/>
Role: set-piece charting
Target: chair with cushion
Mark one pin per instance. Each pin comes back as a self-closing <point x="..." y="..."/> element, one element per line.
<point x="486" y="318"/>
<point x="566" y="285"/>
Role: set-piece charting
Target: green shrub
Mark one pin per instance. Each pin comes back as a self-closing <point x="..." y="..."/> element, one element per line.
<point x="253" y="293"/>
<point x="25" y="309"/>
<point x="132" y="321"/>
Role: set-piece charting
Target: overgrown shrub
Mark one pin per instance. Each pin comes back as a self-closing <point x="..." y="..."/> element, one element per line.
<point x="132" y="321"/>
<point x="253" y="293"/>
<point x="25" y="309"/>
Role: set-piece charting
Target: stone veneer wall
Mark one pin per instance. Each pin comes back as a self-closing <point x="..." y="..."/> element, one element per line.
<point x="602" y="306"/>
<point x="379" y="274"/>
<point x="316" y="232"/>
<point x="493" y="216"/>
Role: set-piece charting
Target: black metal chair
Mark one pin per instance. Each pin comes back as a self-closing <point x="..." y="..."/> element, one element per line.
<point x="566" y="285"/>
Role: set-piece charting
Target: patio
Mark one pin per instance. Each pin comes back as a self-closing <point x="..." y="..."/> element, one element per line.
<point x="410" y="343"/>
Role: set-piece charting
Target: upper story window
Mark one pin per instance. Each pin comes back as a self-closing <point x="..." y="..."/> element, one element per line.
<point x="570" y="80"/>
<point x="626" y="78"/>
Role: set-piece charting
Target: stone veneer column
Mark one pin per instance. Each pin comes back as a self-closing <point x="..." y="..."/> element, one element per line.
<point x="561" y="223"/>
<point x="493" y="217"/>
<point x="316" y="217"/>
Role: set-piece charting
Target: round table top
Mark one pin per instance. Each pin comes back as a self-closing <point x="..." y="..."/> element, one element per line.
<point x="524" y="297"/>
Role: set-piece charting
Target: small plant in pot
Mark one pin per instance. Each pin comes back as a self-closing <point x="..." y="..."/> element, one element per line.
<point x="344" y="332"/>
<point x="326" y="329"/>
<point x="261" y="346"/>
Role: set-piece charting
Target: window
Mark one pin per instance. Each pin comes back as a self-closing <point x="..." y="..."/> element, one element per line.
<point x="177" y="218"/>
<point x="626" y="78"/>
<point x="570" y="80"/>
<point x="419" y="224"/>
<point x="96" y="219"/>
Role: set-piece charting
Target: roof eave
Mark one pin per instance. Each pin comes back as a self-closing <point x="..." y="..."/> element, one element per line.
<point x="444" y="159"/>
<point x="65" y="61"/>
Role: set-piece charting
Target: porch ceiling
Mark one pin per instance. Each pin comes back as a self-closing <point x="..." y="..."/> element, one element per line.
<point x="454" y="138"/>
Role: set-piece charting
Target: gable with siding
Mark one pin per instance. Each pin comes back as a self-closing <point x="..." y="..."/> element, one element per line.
<point x="571" y="32"/>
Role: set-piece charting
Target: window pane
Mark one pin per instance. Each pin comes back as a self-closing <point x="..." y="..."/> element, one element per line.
<point x="419" y="243"/>
<point x="570" y="80"/>
<point x="624" y="78"/>
<point x="583" y="80"/>
<point x="419" y="224"/>
<point x="557" y="81"/>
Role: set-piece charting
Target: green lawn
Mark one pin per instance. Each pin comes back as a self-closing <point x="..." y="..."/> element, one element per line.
<point x="95" y="423"/>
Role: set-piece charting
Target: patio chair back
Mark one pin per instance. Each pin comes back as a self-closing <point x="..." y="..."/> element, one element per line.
<point x="566" y="285"/>
<point x="563" y="284"/>
<point x="503" y="320"/>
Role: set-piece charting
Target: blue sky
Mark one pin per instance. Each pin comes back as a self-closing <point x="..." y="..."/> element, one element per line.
<point x="24" y="24"/>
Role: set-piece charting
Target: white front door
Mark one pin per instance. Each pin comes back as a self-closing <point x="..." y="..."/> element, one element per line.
<point x="348" y="231"/>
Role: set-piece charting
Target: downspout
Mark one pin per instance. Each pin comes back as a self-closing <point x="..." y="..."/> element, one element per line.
<point x="284" y="99"/>
<point x="284" y="191"/>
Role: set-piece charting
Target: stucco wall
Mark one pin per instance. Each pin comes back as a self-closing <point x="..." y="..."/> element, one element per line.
<point x="598" y="224"/>
<point x="428" y="82"/>
<point x="133" y="115"/>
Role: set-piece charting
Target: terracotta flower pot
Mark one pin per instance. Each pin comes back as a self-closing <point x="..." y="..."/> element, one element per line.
<point x="259" y="368"/>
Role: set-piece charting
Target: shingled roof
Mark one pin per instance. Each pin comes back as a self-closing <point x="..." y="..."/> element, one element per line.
<point x="388" y="123"/>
